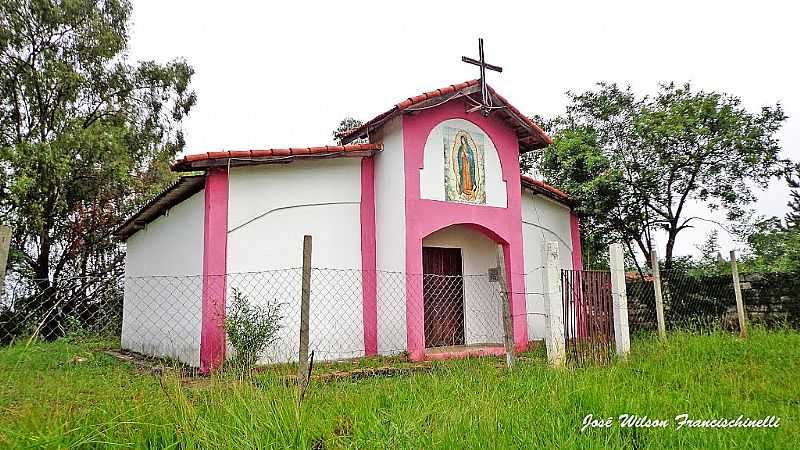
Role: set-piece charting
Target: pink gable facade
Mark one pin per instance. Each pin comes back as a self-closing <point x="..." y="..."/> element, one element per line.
<point x="424" y="217"/>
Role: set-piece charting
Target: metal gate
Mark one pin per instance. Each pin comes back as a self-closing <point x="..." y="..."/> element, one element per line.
<point x="588" y="316"/>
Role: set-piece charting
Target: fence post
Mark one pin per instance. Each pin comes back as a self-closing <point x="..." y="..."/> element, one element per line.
<point x="305" y="298"/>
<point x="5" y="242"/>
<point x="662" y="328"/>
<point x="508" y="331"/>
<point x="616" y="261"/>
<point x="737" y="289"/>
<point x="554" y="309"/>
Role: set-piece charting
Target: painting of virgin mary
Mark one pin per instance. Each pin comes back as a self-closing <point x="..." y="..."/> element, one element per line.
<point x="464" y="166"/>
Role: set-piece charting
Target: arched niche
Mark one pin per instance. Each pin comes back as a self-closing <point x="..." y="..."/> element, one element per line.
<point x="433" y="178"/>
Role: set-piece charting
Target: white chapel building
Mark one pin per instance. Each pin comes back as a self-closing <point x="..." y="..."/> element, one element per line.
<point x="431" y="188"/>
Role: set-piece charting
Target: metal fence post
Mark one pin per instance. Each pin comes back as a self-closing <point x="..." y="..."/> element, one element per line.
<point x="737" y="289"/>
<point x="662" y="328"/>
<point x="554" y="324"/>
<point x="616" y="261"/>
<point x="508" y="331"/>
<point x="305" y="297"/>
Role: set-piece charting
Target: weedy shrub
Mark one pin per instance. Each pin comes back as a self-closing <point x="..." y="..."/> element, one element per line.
<point x="251" y="328"/>
<point x="75" y="331"/>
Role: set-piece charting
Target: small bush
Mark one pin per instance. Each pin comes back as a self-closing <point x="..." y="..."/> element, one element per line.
<point x="75" y="331"/>
<point x="251" y="328"/>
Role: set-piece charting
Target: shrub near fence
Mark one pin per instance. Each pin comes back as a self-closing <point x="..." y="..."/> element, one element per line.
<point x="708" y="302"/>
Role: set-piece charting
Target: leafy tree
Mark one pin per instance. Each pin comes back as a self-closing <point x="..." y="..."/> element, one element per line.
<point x="635" y="163"/>
<point x="84" y="134"/>
<point x="773" y="247"/>
<point x="709" y="249"/>
<point x="793" y="216"/>
<point x="346" y="124"/>
<point x="710" y="261"/>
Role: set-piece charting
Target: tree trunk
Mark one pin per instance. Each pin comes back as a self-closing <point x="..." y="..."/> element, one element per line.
<point x="670" y="247"/>
<point x="47" y="304"/>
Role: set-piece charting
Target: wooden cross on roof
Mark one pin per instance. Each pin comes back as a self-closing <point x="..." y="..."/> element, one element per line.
<point x="486" y="100"/>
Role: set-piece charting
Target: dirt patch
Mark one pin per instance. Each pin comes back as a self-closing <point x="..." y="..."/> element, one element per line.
<point x="365" y="372"/>
<point x="150" y="365"/>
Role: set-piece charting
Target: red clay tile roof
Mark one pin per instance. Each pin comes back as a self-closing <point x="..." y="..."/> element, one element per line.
<point x="530" y="135"/>
<point x="249" y="157"/>
<point x="545" y="189"/>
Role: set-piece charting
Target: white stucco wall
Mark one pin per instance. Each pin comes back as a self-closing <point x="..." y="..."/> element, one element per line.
<point x="163" y="286"/>
<point x="390" y="232"/>
<point x="542" y="220"/>
<point x="482" y="309"/>
<point x="270" y="209"/>
<point x="431" y="177"/>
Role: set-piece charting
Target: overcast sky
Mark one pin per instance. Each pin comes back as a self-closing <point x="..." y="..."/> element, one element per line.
<point x="276" y="74"/>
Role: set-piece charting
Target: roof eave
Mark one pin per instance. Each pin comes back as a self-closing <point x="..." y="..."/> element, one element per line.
<point x="177" y="192"/>
<point x="190" y="166"/>
<point x="547" y="191"/>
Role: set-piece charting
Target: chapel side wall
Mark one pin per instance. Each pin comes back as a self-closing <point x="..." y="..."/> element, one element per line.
<point x="390" y="238"/>
<point x="542" y="220"/>
<point x="482" y="309"/>
<point x="270" y="209"/>
<point x="161" y="314"/>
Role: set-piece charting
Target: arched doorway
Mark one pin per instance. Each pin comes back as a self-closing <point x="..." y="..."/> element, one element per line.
<point x="461" y="291"/>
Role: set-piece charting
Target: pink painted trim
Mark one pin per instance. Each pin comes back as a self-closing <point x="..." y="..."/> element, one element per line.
<point x="575" y="233"/>
<point x="484" y="351"/>
<point x="215" y="251"/>
<point x="369" y="286"/>
<point x="423" y="217"/>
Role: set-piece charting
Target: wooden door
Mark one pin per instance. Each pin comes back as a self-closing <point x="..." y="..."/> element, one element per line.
<point x="443" y="293"/>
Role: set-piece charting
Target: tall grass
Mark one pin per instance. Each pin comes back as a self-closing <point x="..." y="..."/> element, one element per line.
<point x="63" y="395"/>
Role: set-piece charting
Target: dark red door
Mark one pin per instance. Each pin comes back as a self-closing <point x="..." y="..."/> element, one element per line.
<point x="443" y="288"/>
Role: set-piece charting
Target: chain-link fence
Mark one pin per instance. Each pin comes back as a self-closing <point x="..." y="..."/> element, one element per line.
<point x="163" y="315"/>
<point x="82" y="305"/>
<point x="709" y="302"/>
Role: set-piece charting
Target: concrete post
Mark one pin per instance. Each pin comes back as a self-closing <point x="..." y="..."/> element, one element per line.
<point x="553" y="304"/>
<point x="616" y="261"/>
<point x="737" y="291"/>
<point x="305" y="301"/>
<point x="662" y="328"/>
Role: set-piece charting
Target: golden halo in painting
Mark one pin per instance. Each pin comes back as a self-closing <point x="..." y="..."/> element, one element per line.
<point x="464" y="176"/>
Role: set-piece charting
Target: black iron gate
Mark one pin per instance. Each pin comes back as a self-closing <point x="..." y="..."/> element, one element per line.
<point x="588" y="316"/>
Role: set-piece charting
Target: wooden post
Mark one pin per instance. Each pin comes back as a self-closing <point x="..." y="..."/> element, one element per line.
<point x="737" y="289"/>
<point x="305" y="298"/>
<point x="619" y="293"/>
<point x="5" y="243"/>
<point x="553" y="306"/>
<point x="508" y="330"/>
<point x="662" y="328"/>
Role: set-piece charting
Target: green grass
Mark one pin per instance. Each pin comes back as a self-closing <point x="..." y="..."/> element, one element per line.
<point x="64" y="395"/>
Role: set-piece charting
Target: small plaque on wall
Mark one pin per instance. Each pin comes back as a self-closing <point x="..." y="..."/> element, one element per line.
<point x="494" y="274"/>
